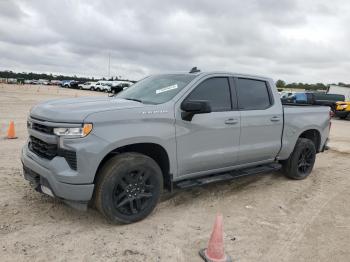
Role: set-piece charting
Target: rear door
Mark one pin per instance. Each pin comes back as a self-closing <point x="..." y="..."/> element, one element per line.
<point x="261" y="121"/>
<point x="209" y="141"/>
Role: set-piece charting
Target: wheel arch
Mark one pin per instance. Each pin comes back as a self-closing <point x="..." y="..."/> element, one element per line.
<point x="314" y="135"/>
<point x="152" y="150"/>
<point x="290" y="138"/>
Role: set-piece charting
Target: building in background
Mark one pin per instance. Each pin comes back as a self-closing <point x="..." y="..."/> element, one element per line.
<point x="340" y="90"/>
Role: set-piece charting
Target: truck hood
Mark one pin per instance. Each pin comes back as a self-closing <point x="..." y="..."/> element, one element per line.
<point x="75" y="110"/>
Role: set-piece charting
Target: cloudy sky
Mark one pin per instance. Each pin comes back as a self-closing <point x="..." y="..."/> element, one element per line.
<point x="293" y="40"/>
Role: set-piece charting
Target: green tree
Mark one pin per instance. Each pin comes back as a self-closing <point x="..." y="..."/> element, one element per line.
<point x="280" y="83"/>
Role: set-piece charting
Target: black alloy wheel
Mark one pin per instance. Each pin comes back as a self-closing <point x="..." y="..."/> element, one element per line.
<point x="301" y="162"/>
<point x="128" y="187"/>
<point x="133" y="192"/>
<point x="305" y="161"/>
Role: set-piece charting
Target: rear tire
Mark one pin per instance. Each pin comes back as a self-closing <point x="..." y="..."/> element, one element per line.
<point x="128" y="188"/>
<point x="344" y="117"/>
<point x="301" y="162"/>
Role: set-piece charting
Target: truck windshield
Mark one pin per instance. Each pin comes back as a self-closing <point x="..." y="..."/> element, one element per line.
<point x="156" y="89"/>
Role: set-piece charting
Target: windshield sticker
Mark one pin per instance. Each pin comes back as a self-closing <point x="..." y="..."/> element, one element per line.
<point x="165" y="89"/>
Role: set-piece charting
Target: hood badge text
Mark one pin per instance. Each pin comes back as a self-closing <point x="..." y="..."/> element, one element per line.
<point x="154" y="112"/>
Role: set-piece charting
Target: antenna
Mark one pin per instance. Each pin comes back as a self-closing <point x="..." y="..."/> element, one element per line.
<point x="194" y="70"/>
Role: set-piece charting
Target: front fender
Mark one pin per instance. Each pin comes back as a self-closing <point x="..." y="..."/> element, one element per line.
<point x="138" y="128"/>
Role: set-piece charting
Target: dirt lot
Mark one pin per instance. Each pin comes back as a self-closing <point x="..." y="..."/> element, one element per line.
<point x="266" y="218"/>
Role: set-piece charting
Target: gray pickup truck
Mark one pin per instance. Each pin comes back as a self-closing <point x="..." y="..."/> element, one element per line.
<point x="180" y="130"/>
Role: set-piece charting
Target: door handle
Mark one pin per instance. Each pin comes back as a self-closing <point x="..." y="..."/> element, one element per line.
<point x="275" y="119"/>
<point x="231" y="121"/>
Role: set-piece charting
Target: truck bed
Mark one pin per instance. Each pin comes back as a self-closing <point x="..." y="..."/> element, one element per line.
<point x="300" y="117"/>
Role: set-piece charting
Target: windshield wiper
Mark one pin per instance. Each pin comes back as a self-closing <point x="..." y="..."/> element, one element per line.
<point x="134" y="99"/>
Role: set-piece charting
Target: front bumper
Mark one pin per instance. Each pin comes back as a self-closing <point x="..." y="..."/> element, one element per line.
<point x="41" y="176"/>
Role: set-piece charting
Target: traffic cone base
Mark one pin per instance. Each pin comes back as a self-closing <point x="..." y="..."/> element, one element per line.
<point x="205" y="257"/>
<point x="215" y="250"/>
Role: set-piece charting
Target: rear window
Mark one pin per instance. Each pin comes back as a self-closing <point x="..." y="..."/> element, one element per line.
<point x="252" y="94"/>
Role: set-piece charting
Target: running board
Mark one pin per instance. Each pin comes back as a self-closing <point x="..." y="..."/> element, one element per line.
<point x="228" y="176"/>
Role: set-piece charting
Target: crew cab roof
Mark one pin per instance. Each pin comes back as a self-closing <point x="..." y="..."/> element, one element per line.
<point x="223" y="73"/>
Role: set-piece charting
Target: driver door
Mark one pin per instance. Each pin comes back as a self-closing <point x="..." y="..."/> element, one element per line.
<point x="210" y="141"/>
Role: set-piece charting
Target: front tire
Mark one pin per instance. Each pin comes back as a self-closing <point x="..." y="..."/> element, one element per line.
<point x="301" y="161"/>
<point x="128" y="188"/>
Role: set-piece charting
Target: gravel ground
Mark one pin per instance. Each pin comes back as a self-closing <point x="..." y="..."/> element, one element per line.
<point x="266" y="218"/>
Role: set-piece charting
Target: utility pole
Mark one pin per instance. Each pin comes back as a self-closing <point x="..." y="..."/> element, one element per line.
<point x="109" y="66"/>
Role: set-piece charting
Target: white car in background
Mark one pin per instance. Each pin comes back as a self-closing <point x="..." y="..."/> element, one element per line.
<point x="87" y="86"/>
<point x="43" y="82"/>
<point x="285" y="94"/>
<point x="108" y="86"/>
<point x="99" y="86"/>
<point x="104" y="86"/>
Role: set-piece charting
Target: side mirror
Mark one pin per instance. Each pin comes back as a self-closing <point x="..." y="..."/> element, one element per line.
<point x="192" y="107"/>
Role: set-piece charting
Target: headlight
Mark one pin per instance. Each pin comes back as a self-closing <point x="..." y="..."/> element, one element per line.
<point x="82" y="131"/>
<point x="344" y="106"/>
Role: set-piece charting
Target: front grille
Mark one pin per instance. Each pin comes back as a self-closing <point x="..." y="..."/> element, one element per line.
<point x="49" y="151"/>
<point x="70" y="156"/>
<point x="42" y="128"/>
<point x="42" y="149"/>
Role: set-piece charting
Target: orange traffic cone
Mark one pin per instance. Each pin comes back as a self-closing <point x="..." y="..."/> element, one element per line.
<point x="215" y="251"/>
<point x="11" y="133"/>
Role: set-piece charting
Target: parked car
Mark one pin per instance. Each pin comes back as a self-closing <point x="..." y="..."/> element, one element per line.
<point x="284" y="94"/>
<point x="328" y="99"/>
<point x="75" y="84"/>
<point x="87" y="86"/>
<point x="106" y="86"/>
<point x="11" y="80"/>
<point x="342" y="109"/>
<point x="98" y="86"/>
<point x="56" y="82"/>
<point x="67" y="83"/>
<point x="299" y="98"/>
<point x="102" y="85"/>
<point x="116" y="88"/>
<point x="120" y="152"/>
<point x="43" y="82"/>
<point x="314" y="98"/>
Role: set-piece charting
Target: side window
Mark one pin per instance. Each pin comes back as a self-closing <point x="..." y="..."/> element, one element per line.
<point x="252" y="94"/>
<point x="216" y="91"/>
